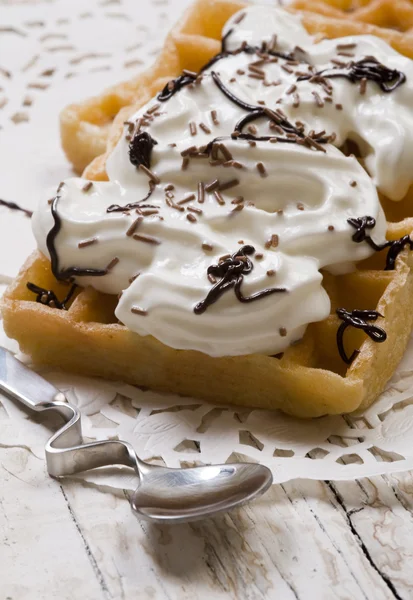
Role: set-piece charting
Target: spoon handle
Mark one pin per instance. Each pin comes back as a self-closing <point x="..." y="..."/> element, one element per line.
<point x="24" y="385"/>
<point x="65" y="451"/>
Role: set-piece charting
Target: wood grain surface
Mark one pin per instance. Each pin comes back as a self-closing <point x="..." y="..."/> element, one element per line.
<point x="302" y="540"/>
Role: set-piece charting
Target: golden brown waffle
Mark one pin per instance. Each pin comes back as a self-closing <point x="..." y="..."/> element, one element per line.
<point x="309" y="379"/>
<point x="85" y="127"/>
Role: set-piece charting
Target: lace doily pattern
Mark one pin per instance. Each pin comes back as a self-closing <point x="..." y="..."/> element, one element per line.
<point x="48" y="58"/>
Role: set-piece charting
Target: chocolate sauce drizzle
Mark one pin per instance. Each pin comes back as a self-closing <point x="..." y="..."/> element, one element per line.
<point x="173" y="86"/>
<point x="49" y="298"/>
<point x="137" y="204"/>
<point x="224" y="51"/>
<point x="395" y="248"/>
<point x="140" y="149"/>
<point x="230" y="95"/>
<point x="367" y="68"/>
<point x="231" y="271"/>
<point x="257" y="112"/>
<point x="14" y="206"/>
<point x="358" y="319"/>
<point x="279" y="120"/>
<point x="69" y="273"/>
<point x="361" y="224"/>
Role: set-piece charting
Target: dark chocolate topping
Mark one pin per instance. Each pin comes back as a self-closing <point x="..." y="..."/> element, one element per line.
<point x="368" y="68"/>
<point x="230" y="95"/>
<point x="358" y="319"/>
<point x="395" y="246"/>
<point x="140" y="149"/>
<point x="69" y="273"/>
<point x="49" y="298"/>
<point x="231" y="271"/>
<point x="174" y="86"/>
<point x="224" y="40"/>
<point x="282" y="122"/>
<point x="255" y="112"/>
<point x="14" y="206"/>
<point x="137" y="204"/>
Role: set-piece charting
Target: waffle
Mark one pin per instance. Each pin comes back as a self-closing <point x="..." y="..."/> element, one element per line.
<point x="309" y="379"/>
<point x="86" y="127"/>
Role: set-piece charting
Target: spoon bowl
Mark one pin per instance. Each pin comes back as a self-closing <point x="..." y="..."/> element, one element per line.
<point x="177" y="495"/>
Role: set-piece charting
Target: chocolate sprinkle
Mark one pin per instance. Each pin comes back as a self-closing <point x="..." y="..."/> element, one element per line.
<point x="231" y="272"/>
<point x="214" y="117"/>
<point x="219" y="198"/>
<point x="189" y="198"/>
<point x="358" y="319"/>
<point x="212" y="186"/>
<point x="201" y="192"/>
<point x="112" y="263"/>
<point x="261" y="169"/>
<point x="228" y="185"/>
<point x="205" y="128"/>
<point x="136" y="310"/>
<point x="272" y="242"/>
<point x="87" y="186"/>
<point x="134" y="226"/>
<point x="152" y="176"/>
<point x="86" y="243"/>
<point x="148" y="239"/>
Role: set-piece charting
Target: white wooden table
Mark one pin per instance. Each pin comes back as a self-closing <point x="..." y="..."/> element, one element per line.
<point x="304" y="539"/>
<point x="71" y="540"/>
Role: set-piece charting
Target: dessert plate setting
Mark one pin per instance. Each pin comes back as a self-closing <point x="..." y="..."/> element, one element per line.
<point x="169" y="429"/>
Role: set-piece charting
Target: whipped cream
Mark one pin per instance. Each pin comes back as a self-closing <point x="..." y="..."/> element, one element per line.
<point x="288" y="201"/>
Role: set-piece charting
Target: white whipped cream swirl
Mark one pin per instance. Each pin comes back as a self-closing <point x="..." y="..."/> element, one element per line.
<point x="297" y="200"/>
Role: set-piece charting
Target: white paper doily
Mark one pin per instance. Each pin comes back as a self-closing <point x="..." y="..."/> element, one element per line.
<point x="53" y="53"/>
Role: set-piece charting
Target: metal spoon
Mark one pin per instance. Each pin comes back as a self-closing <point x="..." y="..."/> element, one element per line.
<point x="163" y="495"/>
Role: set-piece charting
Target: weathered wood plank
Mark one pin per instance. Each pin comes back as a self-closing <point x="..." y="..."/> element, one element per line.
<point x="293" y="543"/>
<point x="302" y="540"/>
<point x="42" y="555"/>
<point x="379" y="511"/>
